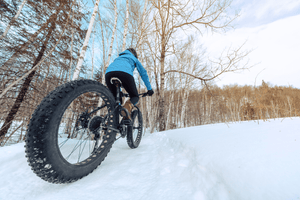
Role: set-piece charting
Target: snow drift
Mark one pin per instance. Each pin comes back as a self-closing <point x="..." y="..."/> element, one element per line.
<point x="248" y="160"/>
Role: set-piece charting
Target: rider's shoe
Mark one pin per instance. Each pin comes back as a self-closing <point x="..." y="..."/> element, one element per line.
<point x="128" y="106"/>
<point x="126" y="121"/>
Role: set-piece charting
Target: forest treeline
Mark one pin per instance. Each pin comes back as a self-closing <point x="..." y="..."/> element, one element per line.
<point x="43" y="45"/>
<point x="213" y="104"/>
<point x="203" y="105"/>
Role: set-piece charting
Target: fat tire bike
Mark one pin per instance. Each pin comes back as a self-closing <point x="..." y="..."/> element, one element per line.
<point x="74" y="127"/>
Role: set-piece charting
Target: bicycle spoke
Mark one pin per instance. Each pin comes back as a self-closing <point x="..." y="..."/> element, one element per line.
<point x="63" y="143"/>
<point x="79" y="145"/>
<point x="75" y="148"/>
<point x="81" y="151"/>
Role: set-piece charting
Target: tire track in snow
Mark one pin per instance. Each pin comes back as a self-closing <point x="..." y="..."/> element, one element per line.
<point x="159" y="169"/>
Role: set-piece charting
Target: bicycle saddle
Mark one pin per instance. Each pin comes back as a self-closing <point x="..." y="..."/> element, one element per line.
<point x="115" y="81"/>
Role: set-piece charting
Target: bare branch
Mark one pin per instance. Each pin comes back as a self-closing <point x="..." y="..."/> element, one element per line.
<point x="13" y="20"/>
<point x="229" y="64"/>
<point x="38" y="64"/>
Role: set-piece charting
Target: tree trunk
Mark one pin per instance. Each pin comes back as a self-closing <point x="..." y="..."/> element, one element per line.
<point x="142" y="27"/>
<point x="162" y="117"/>
<point x="204" y="106"/>
<point x="169" y="115"/>
<point x="103" y="49"/>
<point x="71" y="50"/>
<point x="112" y="35"/>
<point x="13" y="20"/>
<point x="125" y="25"/>
<point x="111" y="42"/>
<point x="183" y="106"/>
<point x="93" y="51"/>
<point x="86" y="42"/>
<point x="31" y="40"/>
<point x="21" y="96"/>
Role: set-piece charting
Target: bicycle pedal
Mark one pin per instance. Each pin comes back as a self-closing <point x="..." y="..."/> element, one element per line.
<point x="127" y="121"/>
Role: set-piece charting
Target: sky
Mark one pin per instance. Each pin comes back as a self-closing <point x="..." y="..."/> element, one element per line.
<point x="271" y="30"/>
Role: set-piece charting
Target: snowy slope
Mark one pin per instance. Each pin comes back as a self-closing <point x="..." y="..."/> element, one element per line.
<point x="247" y="160"/>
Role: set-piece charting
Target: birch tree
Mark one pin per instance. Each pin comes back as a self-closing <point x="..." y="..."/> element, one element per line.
<point x="112" y="36"/>
<point x="107" y="60"/>
<point x="173" y="15"/>
<point x="125" y="25"/>
<point x="141" y="31"/>
<point x="86" y="42"/>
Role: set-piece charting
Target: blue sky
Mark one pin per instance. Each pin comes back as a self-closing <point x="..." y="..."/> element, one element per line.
<point x="272" y="30"/>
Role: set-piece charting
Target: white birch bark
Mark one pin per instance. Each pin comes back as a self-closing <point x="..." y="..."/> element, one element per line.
<point x="13" y="20"/>
<point x="125" y="25"/>
<point x="113" y="34"/>
<point x="186" y="94"/>
<point x="86" y="42"/>
<point x="111" y="42"/>
<point x="142" y="27"/>
<point x="71" y="50"/>
<point x="103" y="46"/>
<point x="169" y="116"/>
<point x="93" y="49"/>
<point x="151" y="112"/>
<point x="110" y="48"/>
<point x="184" y="105"/>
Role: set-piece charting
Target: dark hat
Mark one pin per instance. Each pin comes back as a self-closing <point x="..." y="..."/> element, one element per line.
<point x="132" y="50"/>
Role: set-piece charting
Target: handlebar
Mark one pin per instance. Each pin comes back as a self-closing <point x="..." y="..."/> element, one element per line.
<point x="141" y="94"/>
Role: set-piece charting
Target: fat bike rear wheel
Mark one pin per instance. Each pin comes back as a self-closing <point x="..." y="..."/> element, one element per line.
<point x="69" y="133"/>
<point x="135" y="132"/>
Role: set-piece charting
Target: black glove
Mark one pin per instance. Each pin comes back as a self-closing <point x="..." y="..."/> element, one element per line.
<point x="150" y="92"/>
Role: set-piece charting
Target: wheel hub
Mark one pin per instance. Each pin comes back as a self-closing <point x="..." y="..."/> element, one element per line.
<point x="95" y="123"/>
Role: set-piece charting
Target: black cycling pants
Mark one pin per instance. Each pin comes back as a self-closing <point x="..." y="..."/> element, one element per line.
<point x="127" y="82"/>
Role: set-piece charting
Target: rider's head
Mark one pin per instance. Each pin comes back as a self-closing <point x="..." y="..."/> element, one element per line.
<point x="132" y="50"/>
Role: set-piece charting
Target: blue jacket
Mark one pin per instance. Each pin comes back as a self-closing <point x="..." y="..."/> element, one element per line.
<point x="126" y="62"/>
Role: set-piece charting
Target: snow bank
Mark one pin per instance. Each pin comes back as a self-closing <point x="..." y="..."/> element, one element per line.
<point x="247" y="160"/>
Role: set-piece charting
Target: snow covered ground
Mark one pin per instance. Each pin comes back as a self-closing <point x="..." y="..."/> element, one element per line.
<point x="240" y="161"/>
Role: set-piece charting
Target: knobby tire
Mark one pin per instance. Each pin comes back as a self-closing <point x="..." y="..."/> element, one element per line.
<point x="43" y="134"/>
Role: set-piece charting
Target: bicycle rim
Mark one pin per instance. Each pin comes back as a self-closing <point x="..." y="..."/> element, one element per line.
<point x="76" y="141"/>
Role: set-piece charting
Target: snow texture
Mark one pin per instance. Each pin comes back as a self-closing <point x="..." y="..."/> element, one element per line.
<point x="252" y="160"/>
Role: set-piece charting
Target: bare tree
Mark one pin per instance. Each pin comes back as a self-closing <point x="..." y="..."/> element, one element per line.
<point x="25" y="45"/>
<point x="104" y="26"/>
<point x="103" y="49"/>
<point x="13" y="20"/>
<point x="125" y="25"/>
<point x="141" y="30"/>
<point x="11" y="115"/>
<point x="170" y="16"/>
<point x="48" y="42"/>
<point x="86" y="42"/>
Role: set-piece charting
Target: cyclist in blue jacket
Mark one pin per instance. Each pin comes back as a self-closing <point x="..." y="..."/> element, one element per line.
<point x="123" y="68"/>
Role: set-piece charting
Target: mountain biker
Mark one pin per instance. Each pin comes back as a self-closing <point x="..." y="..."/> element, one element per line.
<point x="123" y="68"/>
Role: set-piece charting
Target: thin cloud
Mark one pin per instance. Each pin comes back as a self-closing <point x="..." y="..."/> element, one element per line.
<point x="256" y="12"/>
<point x="276" y="48"/>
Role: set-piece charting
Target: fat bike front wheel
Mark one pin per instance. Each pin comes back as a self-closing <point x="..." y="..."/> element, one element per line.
<point x="135" y="132"/>
<point x="69" y="133"/>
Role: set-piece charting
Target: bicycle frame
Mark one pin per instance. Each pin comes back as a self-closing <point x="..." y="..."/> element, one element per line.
<point x="119" y="95"/>
<point x="119" y="127"/>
